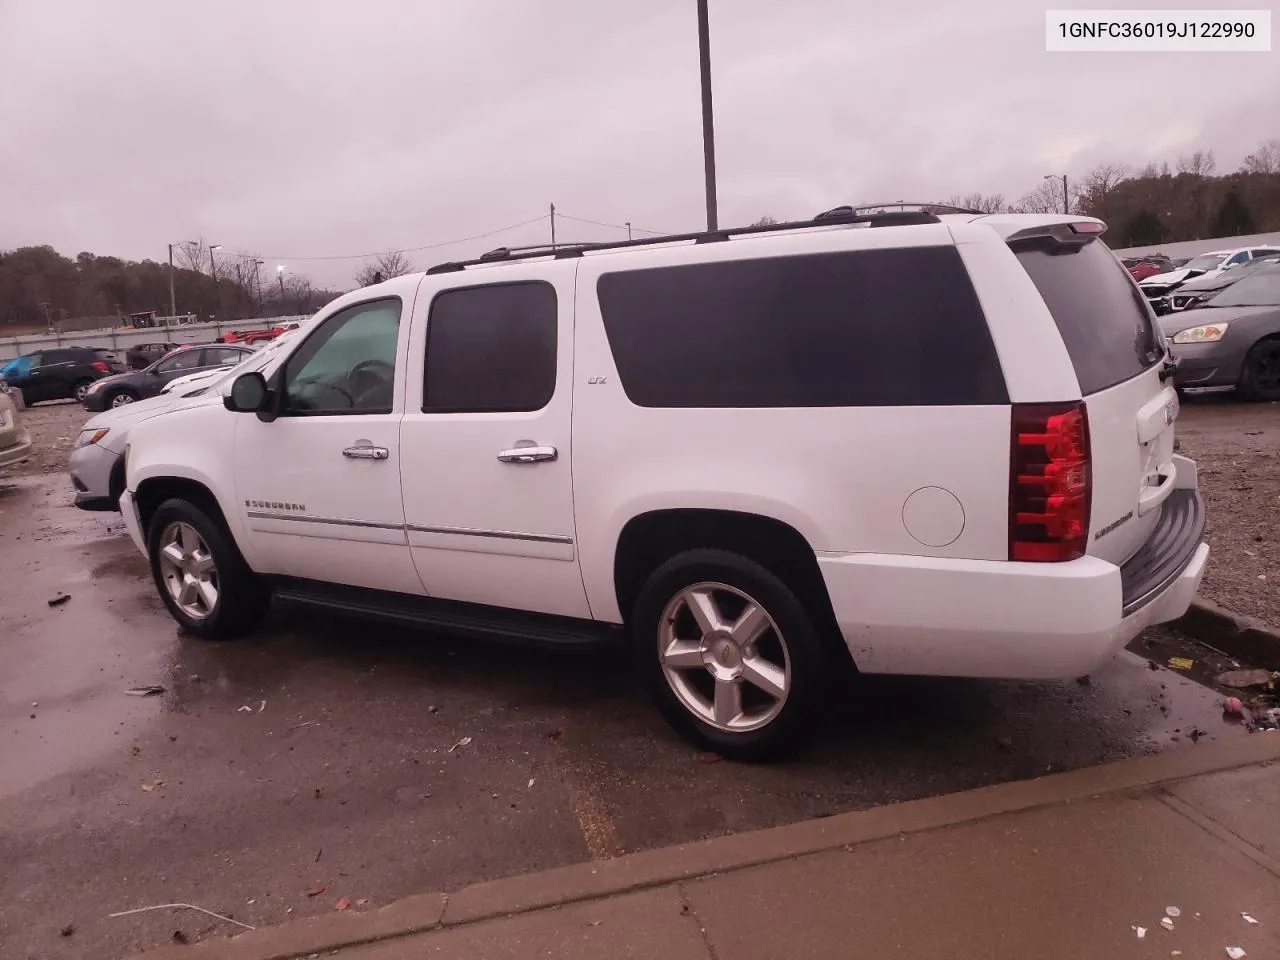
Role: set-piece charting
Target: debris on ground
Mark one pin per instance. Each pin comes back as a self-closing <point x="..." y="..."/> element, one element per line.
<point x="1181" y="663"/>
<point x="70" y="928"/>
<point x="60" y="600"/>
<point x="1140" y="931"/>
<point x="1247" y="919"/>
<point x="1243" y="679"/>
<point x="244" y="709"/>
<point x="709" y="758"/>
<point x="147" y="690"/>
<point x="1236" y="953"/>
<point x="1172" y="912"/>
<point x="316" y="889"/>
<point x="180" y="937"/>
<point x="178" y="906"/>
<point x="342" y="904"/>
<point x="464" y="742"/>
<point x="1166" y="922"/>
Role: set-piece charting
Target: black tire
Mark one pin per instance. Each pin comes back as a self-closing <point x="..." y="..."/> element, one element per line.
<point x="242" y="596"/>
<point x="1260" y="377"/>
<point x="79" y="388"/>
<point x="808" y="659"/>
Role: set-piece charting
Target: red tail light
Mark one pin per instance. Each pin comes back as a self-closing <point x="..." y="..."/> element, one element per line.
<point x="100" y="366"/>
<point x="1049" y="482"/>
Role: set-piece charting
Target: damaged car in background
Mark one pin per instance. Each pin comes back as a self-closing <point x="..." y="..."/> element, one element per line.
<point x="1231" y="342"/>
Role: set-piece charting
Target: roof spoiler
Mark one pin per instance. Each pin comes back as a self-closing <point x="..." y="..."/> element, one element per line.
<point x="1072" y="234"/>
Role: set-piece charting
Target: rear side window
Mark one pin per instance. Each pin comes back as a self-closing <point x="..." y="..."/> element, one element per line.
<point x="491" y="349"/>
<point x="862" y="328"/>
<point x="1100" y="313"/>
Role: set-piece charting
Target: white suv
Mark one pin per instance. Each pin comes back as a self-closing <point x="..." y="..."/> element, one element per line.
<point x="917" y="444"/>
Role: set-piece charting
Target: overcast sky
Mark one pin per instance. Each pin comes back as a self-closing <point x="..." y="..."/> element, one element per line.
<point x="310" y="128"/>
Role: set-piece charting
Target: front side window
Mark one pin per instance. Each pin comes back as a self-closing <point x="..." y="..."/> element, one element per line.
<point x="219" y="356"/>
<point x="1238" y="259"/>
<point x="187" y="360"/>
<point x="491" y="349"/>
<point x="1204" y="264"/>
<point x="348" y="365"/>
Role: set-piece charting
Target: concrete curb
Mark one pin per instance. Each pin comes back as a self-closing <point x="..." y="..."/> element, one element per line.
<point x="1241" y="638"/>
<point x="651" y="868"/>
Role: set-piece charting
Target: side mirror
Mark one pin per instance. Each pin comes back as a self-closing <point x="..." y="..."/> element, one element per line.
<point x="248" y="393"/>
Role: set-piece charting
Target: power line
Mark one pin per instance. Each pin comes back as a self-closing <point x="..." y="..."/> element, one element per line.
<point x="378" y="253"/>
<point x="616" y="226"/>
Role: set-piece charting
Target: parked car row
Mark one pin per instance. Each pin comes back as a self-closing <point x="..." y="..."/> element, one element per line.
<point x="1159" y="288"/>
<point x="60" y="373"/>
<point x="1142" y="267"/>
<point x="125" y="388"/>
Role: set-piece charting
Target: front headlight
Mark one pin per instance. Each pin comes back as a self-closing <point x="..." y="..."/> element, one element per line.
<point x="1205" y="333"/>
<point x="95" y="386"/>
<point x="90" y="437"/>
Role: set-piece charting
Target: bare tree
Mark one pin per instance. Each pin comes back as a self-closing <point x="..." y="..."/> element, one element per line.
<point x="298" y="293"/>
<point x="195" y="255"/>
<point x="1046" y="198"/>
<point x="765" y="221"/>
<point x="993" y="203"/>
<point x="1198" y="164"/>
<point x="1092" y="189"/>
<point x="383" y="267"/>
<point x="1266" y="159"/>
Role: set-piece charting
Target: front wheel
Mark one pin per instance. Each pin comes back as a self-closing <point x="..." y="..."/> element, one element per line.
<point x="1260" y="378"/>
<point x="201" y="576"/>
<point x="734" y="661"/>
<point x="120" y="398"/>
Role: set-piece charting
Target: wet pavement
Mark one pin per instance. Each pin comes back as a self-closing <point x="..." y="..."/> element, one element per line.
<point x="326" y="758"/>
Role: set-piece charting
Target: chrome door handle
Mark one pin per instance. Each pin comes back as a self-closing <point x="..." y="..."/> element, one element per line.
<point x="365" y="451"/>
<point x="528" y="454"/>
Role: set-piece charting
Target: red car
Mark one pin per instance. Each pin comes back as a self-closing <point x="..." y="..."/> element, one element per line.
<point x="1141" y="268"/>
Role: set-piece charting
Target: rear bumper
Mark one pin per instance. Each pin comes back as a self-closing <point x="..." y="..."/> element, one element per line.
<point x="981" y="618"/>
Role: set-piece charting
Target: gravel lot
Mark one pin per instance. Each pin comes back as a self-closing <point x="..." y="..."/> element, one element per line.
<point x="1235" y="444"/>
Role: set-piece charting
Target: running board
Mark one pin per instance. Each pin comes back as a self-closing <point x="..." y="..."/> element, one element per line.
<point x="449" y="616"/>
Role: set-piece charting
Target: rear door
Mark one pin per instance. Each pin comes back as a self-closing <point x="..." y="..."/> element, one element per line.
<point x="1117" y="355"/>
<point x="488" y="492"/>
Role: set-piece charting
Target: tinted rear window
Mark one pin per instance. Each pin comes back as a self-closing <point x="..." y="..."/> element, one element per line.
<point x="1100" y="313"/>
<point x="863" y="328"/>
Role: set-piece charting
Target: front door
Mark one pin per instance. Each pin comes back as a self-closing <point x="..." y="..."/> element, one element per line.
<point x="319" y="487"/>
<point x="488" y="491"/>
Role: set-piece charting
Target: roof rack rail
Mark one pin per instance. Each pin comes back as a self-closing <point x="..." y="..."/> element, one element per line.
<point x="901" y="205"/>
<point x="838" y="215"/>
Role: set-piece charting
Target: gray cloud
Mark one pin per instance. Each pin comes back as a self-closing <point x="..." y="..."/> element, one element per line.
<point x="302" y="129"/>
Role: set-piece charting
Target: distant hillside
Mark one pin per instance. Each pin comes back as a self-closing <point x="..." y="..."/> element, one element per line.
<point x="38" y="286"/>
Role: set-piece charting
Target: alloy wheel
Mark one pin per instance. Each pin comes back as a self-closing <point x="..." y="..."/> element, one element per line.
<point x="724" y="657"/>
<point x="189" y="572"/>
<point x="120" y="399"/>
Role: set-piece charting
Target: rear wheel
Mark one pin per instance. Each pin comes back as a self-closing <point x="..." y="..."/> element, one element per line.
<point x="201" y="576"/>
<point x="734" y="661"/>
<point x="1260" y="378"/>
<point x="81" y="387"/>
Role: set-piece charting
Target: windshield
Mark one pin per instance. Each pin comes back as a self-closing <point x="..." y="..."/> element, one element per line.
<point x="1260" y="289"/>
<point x="1208" y="262"/>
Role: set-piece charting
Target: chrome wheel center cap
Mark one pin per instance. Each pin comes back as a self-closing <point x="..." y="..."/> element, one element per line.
<point x="722" y="657"/>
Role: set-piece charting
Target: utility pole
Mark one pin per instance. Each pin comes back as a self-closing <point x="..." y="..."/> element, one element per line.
<point x="553" y="226"/>
<point x="1066" y="201"/>
<point x="280" y="277"/>
<point x="173" y="300"/>
<point x="628" y="229"/>
<point x="708" y="131"/>
<point x="213" y="265"/>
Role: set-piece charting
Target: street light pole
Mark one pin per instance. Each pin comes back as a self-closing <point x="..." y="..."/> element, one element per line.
<point x="628" y="229"/>
<point x="708" y="127"/>
<point x="173" y="300"/>
<point x="280" y="278"/>
<point x="213" y="266"/>
<point x="1066" y="201"/>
